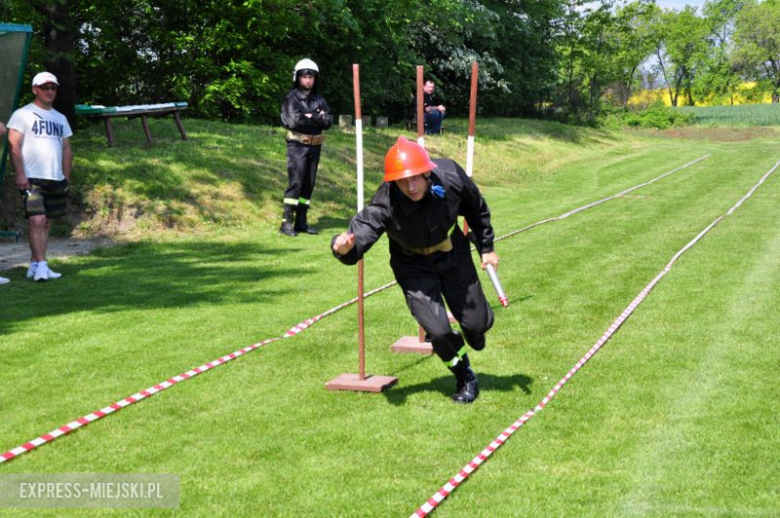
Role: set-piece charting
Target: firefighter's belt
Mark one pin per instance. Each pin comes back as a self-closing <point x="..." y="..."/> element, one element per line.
<point x="303" y="138"/>
<point x="444" y="246"/>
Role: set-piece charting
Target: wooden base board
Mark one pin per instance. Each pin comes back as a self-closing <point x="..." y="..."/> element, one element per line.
<point x="353" y="382"/>
<point x="411" y="344"/>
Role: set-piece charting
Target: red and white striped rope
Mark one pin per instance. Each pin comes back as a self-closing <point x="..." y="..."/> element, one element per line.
<point x="477" y="461"/>
<point x="296" y="329"/>
<point x="122" y="403"/>
<point x="603" y="200"/>
<point x="129" y="400"/>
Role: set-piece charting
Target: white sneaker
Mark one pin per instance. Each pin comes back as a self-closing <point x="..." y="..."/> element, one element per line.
<point x="41" y="273"/>
<point x="52" y="274"/>
<point x="3" y="280"/>
<point x="31" y="270"/>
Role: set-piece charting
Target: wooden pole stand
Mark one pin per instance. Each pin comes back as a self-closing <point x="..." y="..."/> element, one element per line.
<point x="360" y="382"/>
<point x="417" y="344"/>
<point x="413" y="344"/>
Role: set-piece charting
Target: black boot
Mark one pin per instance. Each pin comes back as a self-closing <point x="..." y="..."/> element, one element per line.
<point x="300" y="220"/>
<point x="287" y="223"/>
<point x="467" y="389"/>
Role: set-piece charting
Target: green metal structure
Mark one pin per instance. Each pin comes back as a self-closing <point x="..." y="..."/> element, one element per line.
<point x="14" y="46"/>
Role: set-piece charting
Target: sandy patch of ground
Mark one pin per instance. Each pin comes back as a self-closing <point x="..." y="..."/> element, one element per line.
<point x="18" y="254"/>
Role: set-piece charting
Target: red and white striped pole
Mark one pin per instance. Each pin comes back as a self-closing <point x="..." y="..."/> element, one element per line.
<point x="472" y="130"/>
<point x="420" y="113"/>
<point x="472" y="120"/>
<point x="359" y="146"/>
<point x="360" y="382"/>
<point x="491" y="271"/>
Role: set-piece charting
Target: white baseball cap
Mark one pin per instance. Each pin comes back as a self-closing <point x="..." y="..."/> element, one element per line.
<point x="43" y="78"/>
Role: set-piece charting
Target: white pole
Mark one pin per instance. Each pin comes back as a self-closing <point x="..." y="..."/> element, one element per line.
<point x="420" y="112"/>
<point x="359" y="143"/>
<point x="470" y="156"/>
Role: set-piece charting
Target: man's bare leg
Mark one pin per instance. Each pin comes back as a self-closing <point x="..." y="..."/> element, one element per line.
<point x="39" y="235"/>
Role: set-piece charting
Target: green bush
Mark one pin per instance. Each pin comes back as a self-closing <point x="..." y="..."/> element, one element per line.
<point x="656" y="116"/>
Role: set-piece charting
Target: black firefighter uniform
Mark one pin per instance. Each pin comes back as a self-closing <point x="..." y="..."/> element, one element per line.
<point x="304" y="140"/>
<point x="431" y="257"/>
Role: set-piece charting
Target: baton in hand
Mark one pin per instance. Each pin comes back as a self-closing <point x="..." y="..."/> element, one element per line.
<point x="491" y="271"/>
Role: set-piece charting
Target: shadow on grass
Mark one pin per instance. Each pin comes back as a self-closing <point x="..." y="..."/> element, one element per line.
<point x="446" y="386"/>
<point x="146" y="276"/>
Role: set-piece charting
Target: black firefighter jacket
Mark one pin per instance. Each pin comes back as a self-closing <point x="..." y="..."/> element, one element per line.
<point x="297" y="103"/>
<point x="428" y="222"/>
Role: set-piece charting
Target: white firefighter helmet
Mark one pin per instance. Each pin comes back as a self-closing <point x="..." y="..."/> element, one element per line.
<point x="305" y="66"/>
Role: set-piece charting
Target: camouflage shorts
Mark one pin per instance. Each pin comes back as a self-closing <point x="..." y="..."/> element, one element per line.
<point x="46" y="198"/>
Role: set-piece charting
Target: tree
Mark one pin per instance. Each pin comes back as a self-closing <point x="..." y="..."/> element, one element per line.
<point x="757" y="40"/>
<point x="448" y="36"/>
<point x="681" y="47"/>
<point x="599" y="46"/>
<point x="571" y="51"/>
<point x="53" y="48"/>
<point x="526" y="50"/>
<point x="598" y="65"/>
<point x="630" y="33"/>
<point x="720" y="78"/>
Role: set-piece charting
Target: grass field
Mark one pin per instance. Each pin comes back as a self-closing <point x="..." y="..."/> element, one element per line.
<point x="677" y="415"/>
<point x="743" y="115"/>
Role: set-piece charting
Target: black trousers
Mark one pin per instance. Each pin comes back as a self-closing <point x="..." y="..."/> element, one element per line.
<point x="302" y="163"/>
<point x="428" y="281"/>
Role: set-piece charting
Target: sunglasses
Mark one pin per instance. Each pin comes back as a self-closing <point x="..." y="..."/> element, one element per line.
<point x="47" y="88"/>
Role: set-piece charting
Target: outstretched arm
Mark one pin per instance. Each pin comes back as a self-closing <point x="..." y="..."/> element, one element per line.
<point x="364" y="229"/>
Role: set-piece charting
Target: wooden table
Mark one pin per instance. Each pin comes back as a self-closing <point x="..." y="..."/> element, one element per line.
<point x="143" y="111"/>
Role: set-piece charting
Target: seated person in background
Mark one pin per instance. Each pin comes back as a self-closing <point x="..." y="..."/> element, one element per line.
<point x="433" y="109"/>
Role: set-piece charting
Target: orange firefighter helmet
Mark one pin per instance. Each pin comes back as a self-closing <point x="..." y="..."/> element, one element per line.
<point x="406" y="159"/>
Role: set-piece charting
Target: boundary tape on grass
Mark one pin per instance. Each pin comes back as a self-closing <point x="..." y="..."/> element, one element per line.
<point x="477" y="461"/>
<point x="293" y="331"/>
<point x="129" y="400"/>
<point x="599" y="202"/>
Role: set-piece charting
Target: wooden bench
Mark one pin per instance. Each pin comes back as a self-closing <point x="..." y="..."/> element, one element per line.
<point x="142" y="111"/>
<point x="11" y="233"/>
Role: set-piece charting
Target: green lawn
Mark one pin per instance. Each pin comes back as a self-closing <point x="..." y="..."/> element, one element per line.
<point x="743" y="115"/>
<point x="675" y="416"/>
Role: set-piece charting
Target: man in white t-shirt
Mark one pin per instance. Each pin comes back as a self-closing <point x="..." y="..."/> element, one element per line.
<point x="39" y="143"/>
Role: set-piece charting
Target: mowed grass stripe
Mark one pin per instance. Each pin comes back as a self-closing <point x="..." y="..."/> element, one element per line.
<point x="261" y="435"/>
<point x="730" y="362"/>
<point x="573" y="458"/>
